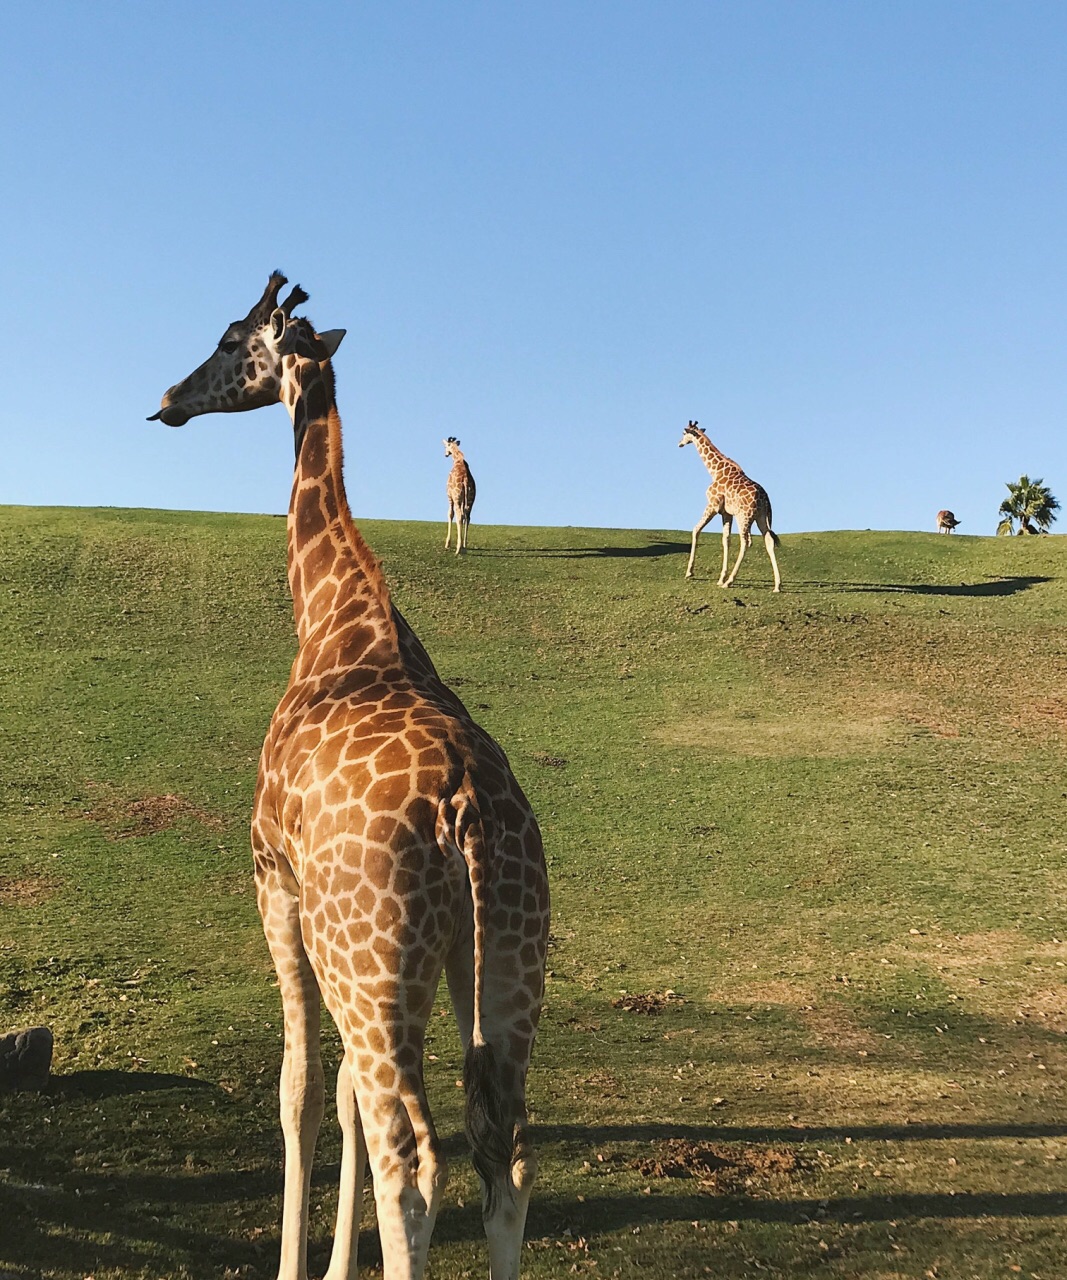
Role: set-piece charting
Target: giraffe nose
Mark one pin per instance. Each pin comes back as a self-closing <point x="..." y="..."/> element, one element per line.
<point x="170" y="416"/>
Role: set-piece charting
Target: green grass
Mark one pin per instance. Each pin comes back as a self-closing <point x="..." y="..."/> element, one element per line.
<point x="831" y="822"/>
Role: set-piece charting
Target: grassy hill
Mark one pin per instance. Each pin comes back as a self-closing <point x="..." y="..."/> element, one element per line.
<point x="806" y="1010"/>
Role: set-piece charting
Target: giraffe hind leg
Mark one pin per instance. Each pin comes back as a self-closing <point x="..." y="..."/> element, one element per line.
<point x="343" y="1264"/>
<point x="409" y="1175"/>
<point x="302" y="1087"/>
<point x="770" y="541"/>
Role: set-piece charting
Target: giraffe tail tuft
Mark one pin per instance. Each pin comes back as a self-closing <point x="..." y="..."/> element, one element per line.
<point x="487" y="1126"/>
<point x="775" y="540"/>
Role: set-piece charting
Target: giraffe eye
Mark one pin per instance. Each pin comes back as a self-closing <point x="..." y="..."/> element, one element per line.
<point x="228" y="348"/>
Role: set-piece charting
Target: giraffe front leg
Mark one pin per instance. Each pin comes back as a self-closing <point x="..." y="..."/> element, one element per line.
<point x="353" y="1171"/>
<point x="302" y="1088"/>
<point x="745" y="534"/>
<point x="702" y="524"/>
<point x="727" y="529"/>
<point x="448" y="528"/>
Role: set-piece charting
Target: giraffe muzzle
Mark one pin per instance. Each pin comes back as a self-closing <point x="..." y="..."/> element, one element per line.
<point x="170" y="416"/>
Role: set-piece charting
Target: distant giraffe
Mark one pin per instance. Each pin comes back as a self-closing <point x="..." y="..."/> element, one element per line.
<point x="946" y="522"/>
<point x="390" y="841"/>
<point x="730" y="494"/>
<point x="461" y="492"/>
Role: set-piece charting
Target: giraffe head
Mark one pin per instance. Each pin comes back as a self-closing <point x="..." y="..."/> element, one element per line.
<point x="451" y="447"/>
<point x="689" y="434"/>
<point x="246" y="369"/>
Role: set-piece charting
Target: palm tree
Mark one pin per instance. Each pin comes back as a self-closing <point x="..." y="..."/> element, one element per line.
<point x="1031" y="504"/>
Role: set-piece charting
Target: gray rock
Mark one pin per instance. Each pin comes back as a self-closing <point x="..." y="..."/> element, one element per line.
<point x="25" y="1059"/>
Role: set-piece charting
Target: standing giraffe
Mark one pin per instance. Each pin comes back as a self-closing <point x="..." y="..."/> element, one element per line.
<point x="946" y="522"/>
<point x="461" y="492"/>
<point x="730" y="494"/>
<point x="390" y="841"/>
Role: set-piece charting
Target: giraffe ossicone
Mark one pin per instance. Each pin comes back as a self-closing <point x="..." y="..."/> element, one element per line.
<point x="731" y="495"/>
<point x="391" y="842"/>
<point x="461" y="490"/>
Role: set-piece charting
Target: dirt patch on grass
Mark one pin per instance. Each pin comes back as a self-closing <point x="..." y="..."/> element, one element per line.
<point x="1050" y="713"/>
<point x="647" y="1002"/>
<point x="26" y="891"/>
<point x="948" y="680"/>
<point x="124" y="818"/>
<point x="721" y="1170"/>
<point x="773" y="991"/>
<point x="991" y="947"/>
<point x="822" y="734"/>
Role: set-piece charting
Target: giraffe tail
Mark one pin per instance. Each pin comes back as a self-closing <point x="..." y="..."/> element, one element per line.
<point x="489" y="1126"/>
<point x="775" y="540"/>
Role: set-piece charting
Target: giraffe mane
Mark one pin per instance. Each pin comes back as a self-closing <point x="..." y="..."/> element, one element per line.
<point x="368" y="562"/>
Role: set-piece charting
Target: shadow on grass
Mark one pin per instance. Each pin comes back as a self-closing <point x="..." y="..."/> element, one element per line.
<point x="593" y="1134"/>
<point x="109" y="1084"/>
<point x="52" y="1226"/>
<point x="992" y="587"/>
<point x="658" y="547"/>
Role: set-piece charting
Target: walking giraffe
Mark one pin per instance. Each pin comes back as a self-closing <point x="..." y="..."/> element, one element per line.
<point x="731" y="494"/>
<point x="461" y="493"/>
<point x="390" y="841"/>
<point x="946" y="522"/>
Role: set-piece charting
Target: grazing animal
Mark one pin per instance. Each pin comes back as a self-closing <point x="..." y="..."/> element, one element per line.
<point x="390" y="841"/>
<point x="731" y="494"/>
<point x="946" y="522"/>
<point x="461" y="492"/>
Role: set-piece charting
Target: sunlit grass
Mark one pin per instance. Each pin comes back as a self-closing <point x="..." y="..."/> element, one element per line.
<point x="830" y="823"/>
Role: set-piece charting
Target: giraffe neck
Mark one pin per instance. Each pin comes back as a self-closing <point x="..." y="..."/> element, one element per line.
<point x="710" y="456"/>
<point x="336" y="581"/>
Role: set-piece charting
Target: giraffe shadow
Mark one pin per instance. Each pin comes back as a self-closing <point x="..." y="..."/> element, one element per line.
<point x="657" y="547"/>
<point x="110" y="1084"/>
<point x="54" y="1227"/>
<point x="991" y="587"/>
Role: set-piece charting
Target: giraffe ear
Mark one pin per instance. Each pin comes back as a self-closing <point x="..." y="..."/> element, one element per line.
<point x="331" y="340"/>
<point x="278" y="321"/>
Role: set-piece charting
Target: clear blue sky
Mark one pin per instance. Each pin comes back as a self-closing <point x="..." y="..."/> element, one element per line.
<point x="834" y="231"/>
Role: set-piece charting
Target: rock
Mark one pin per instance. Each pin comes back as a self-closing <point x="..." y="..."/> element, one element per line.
<point x="25" y="1059"/>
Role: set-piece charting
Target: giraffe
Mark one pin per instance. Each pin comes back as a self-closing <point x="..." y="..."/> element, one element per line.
<point x="461" y="491"/>
<point x="390" y="841"/>
<point x="730" y="494"/>
<point x="946" y="522"/>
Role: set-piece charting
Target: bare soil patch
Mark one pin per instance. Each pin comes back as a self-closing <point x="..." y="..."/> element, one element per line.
<point x="26" y="891"/>
<point x="647" y="1002"/>
<point x="721" y="1170"/>
<point x="824" y="735"/>
<point x="126" y="818"/>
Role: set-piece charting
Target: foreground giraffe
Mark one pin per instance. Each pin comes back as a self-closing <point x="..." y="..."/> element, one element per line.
<point x="461" y="492"/>
<point x="946" y="522"/>
<point x="731" y="493"/>
<point x="390" y="841"/>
